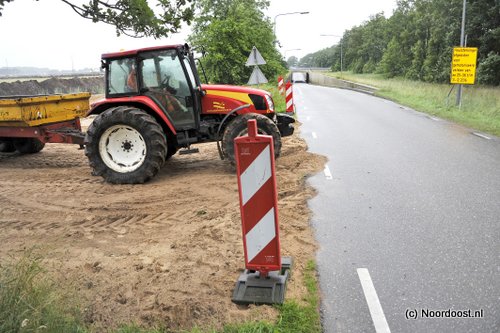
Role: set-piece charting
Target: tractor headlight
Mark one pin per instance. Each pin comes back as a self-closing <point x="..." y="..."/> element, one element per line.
<point x="270" y="102"/>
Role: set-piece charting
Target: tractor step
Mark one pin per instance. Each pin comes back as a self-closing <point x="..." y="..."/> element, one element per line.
<point x="189" y="151"/>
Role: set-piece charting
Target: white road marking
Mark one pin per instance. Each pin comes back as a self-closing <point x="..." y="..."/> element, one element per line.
<point x="327" y="172"/>
<point x="481" y="136"/>
<point x="314" y="135"/>
<point x="376" y="311"/>
<point x="433" y="118"/>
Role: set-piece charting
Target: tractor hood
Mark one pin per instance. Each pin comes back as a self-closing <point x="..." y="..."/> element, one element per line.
<point x="224" y="98"/>
<point x="235" y="89"/>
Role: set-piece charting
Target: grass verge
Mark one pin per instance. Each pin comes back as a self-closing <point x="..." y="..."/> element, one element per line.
<point x="480" y="104"/>
<point x="278" y="99"/>
<point x="30" y="302"/>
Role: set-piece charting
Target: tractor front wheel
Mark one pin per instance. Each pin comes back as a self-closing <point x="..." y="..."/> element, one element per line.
<point x="125" y="145"/>
<point x="238" y="127"/>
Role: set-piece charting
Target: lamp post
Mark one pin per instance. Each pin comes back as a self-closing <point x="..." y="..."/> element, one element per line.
<point x="341" y="60"/>
<point x="282" y="14"/>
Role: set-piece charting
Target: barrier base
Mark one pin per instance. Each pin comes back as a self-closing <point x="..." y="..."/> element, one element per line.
<point x="252" y="289"/>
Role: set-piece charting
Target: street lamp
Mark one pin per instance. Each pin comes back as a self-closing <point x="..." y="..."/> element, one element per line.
<point x="341" y="65"/>
<point x="282" y="14"/>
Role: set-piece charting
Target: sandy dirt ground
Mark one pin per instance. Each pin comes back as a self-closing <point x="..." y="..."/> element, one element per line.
<point x="167" y="252"/>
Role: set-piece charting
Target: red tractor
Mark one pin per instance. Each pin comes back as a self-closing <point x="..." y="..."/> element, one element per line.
<point x="155" y="105"/>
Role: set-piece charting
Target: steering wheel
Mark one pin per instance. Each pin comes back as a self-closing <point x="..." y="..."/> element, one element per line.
<point x="165" y="84"/>
<point x="165" y="81"/>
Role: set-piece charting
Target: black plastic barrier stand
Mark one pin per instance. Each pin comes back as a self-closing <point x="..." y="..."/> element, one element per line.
<point x="251" y="288"/>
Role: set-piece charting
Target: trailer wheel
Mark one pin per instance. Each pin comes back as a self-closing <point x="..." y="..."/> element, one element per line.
<point x="28" y="145"/>
<point x="6" y="146"/>
<point x="125" y="145"/>
<point x="238" y="127"/>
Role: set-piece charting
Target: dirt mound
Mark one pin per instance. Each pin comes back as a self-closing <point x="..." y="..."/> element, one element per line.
<point x="54" y="85"/>
<point x="168" y="252"/>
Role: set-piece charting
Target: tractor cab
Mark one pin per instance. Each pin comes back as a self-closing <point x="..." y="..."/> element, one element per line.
<point x="165" y="75"/>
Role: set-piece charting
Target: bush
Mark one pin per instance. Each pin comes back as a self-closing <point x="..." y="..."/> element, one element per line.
<point x="357" y="66"/>
<point x="489" y="70"/>
<point x="369" y="67"/>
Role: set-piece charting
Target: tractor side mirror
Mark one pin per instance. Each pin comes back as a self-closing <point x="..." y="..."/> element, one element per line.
<point x="202" y="92"/>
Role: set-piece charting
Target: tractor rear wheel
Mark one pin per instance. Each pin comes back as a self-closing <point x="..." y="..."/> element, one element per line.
<point x="6" y="146"/>
<point x="28" y="145"/>
<point x="125" y="145"/>
<point x="238" y="127"/>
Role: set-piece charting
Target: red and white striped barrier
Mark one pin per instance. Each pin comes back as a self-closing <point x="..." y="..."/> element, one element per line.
<point x="265" y="277"/>
<point x="281" y="86"/>
<point x="289" y="98"/>
<point x="258" y="200"/>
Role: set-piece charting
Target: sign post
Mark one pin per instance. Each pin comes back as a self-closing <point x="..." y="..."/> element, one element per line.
<point x="264" y="279"/>
<point x="462" y="44"/>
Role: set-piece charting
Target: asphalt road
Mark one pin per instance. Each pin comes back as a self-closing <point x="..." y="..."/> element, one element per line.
<point x="407" y="216"/>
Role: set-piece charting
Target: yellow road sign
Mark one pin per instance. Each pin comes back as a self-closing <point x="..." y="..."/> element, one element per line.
<point x="463" y="65"/>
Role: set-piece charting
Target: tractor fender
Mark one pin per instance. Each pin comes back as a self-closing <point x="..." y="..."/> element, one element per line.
<point x="218" y="138"/>
<point x="143" y="102"/>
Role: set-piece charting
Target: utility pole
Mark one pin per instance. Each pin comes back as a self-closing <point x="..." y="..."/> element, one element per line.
<point x="462" y="40"/>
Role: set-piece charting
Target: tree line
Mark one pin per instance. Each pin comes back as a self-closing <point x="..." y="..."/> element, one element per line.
<point x="416" y="42"/>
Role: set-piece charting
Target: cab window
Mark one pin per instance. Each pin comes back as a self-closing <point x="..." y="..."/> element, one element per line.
<point x="163" y="77"/>
<point x="122" y="76"/>
<point x="190" y="72"/>
<point x="150" y="74"/>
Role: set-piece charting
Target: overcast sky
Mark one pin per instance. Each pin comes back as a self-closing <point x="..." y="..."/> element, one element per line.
<point x="47" y="33"/>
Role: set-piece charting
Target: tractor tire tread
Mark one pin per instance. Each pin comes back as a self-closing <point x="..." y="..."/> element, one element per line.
<point x="151" y="131"/>
<point x="239" y="124"/>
